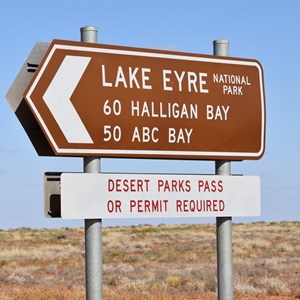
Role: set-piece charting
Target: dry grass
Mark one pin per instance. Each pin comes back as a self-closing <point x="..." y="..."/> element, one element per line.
<point x="152" y="262"/>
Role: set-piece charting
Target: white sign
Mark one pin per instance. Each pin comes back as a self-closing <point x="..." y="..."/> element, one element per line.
<point x="113" y="196"/>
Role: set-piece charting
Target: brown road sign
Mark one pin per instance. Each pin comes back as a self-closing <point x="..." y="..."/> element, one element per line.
<point x="111" y="101"/>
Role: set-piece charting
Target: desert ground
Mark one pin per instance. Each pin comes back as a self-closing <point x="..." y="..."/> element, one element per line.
<point x="152" y="262"/>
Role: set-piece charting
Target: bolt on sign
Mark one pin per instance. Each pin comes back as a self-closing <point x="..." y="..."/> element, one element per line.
<point x="112" y="101"/>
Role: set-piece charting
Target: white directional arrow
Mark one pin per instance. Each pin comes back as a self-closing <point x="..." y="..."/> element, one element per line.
<point x="58" y="95"/>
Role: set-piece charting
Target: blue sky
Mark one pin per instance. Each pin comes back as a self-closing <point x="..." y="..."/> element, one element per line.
<point x="264" y="30"/>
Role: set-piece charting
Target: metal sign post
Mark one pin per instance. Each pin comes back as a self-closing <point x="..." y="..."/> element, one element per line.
<point x="93" y="227"/>
<point x="224" y="224"/>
